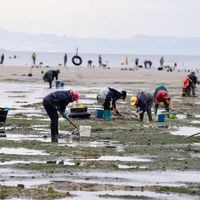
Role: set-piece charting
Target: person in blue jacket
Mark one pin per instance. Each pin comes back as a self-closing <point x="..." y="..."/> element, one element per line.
<point x="143" y="102"/>
<point x="56" y="102"/>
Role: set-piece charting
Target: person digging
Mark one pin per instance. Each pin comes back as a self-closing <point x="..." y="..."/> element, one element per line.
<point x="143" y="103"/>
<point x="108" y="96"/>
<point x="161" y="96"/>
<point x="56" y="102"/>
<point x="50" y="75"/>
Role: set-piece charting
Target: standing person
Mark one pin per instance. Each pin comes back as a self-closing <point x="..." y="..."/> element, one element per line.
<point x="108" y="95"/>
<point x="34" y="57"/>
<point x="65" y="60"/>
<point x="126" y="61"/>
<point x="161" y="96"/>
<point x="192" y="83"/>
<point x="100" y="61"/>
<point x="89" y="63"/>
<point x="2" y="58"/>
<point x="136" y="62"/>
<point x="56" y="102"/>
<point x="161" y="61"/>
<point x="50" y="75"/>
<point x="143" y="102"/>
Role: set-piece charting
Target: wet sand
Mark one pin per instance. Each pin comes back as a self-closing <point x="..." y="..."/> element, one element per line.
<point x="139" y="160"/>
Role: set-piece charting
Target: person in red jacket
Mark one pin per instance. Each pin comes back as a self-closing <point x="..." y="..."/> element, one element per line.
<point x="162" y="96"/>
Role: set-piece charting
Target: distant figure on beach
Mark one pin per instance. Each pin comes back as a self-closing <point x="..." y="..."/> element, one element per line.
<point x="126" y="60"/>
<point x="136" y="62"/>
<point x="14" y="56"/>
<point x="192" y="83"/>
<point x="34" y="57"/>
<point x="2" y="58"/>
<point x="56" y="102"/>
<point x="161" y="61"/>
<point x="50" y="75"/>
<point x="100" y="61"/>
<point x="161" y="95"/>
<point x="143" y="103"/>
<point x="89" y="63"/>
<point x="65" y="60"/>
<point x="107" y="95"/>
<point x="189" y="85"/>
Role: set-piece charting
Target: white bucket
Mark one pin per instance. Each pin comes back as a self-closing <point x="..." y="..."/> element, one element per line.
<point x="85" y="131"/>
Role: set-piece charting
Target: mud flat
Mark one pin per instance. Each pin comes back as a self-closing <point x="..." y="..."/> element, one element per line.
<point x="123" y="158"/>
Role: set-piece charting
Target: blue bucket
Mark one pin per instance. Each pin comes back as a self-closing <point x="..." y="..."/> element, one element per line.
<point x="100" y="113"/>
<point x="161" y="117"/>
<point x="59" y="84"/>
<point x="107" y="115"/>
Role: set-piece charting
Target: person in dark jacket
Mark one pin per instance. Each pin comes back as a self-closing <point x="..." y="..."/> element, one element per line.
<point x="192" y="83"/>
<point x="57" y="102"/>
<point x="65" y="60"/>
<point x="50" y="75"/>
<point x="106" y="96"/>
<point x="2" y="58"/>
<point x="143" y="102"/>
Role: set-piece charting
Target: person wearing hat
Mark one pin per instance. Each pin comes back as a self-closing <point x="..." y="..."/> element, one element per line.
<point x="50" y="75"/>
<point x="192" y="83"/>
<point x="56" y="102"/>
<point x="143" y="102"/>
<point x="161" y="96"/>
<point x="108" y="95"/>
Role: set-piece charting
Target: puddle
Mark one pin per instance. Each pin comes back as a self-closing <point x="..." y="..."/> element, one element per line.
<point x="21" y="151"/>
<point x="186" y="131"/>
<point x="90" y="96"/>
<point x="196" y="155"/>
<point x="34" y="93"/>
<point x="195" y="122"/>
<point x="80" y="195"/>
<point x="131" y="167"/>
<point x="88" y="101"/>
<point x="119" y="158"/>
<point x="123" y="159"/>
<point x="13" y="162"/>
<point x="196" y="144"/>
<point x="181" y="116"/>
<point x="141" y="178"/>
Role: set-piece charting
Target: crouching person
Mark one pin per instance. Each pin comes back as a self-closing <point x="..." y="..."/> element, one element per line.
<point x="143" y="102"/>
<point x="56" y="102"/>
<point x="161" y="96"/>
<point x="108" y="96"/>
<point x="50" y="75"/>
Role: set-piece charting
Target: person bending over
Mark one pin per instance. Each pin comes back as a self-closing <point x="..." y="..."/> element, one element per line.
<point x="56" y="102"/>
<point x="50" y="75"/>
<point x="143" y="102"/>
<point x="108" y="97"/>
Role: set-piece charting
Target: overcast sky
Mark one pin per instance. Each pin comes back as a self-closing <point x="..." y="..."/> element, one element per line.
<point x="102" y="18"/>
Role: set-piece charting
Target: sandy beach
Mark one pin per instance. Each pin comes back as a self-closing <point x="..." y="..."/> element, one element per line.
<point x="121" y="158"/>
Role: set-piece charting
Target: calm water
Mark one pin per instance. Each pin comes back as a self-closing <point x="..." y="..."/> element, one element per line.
<point x="113" y="60"/>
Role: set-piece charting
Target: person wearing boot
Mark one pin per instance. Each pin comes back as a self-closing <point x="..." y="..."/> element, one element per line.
<point x="56" y="102"/>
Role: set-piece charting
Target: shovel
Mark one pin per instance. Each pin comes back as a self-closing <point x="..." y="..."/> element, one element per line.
<point x="192" y="135"/>
<point x="77" y="132"/>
